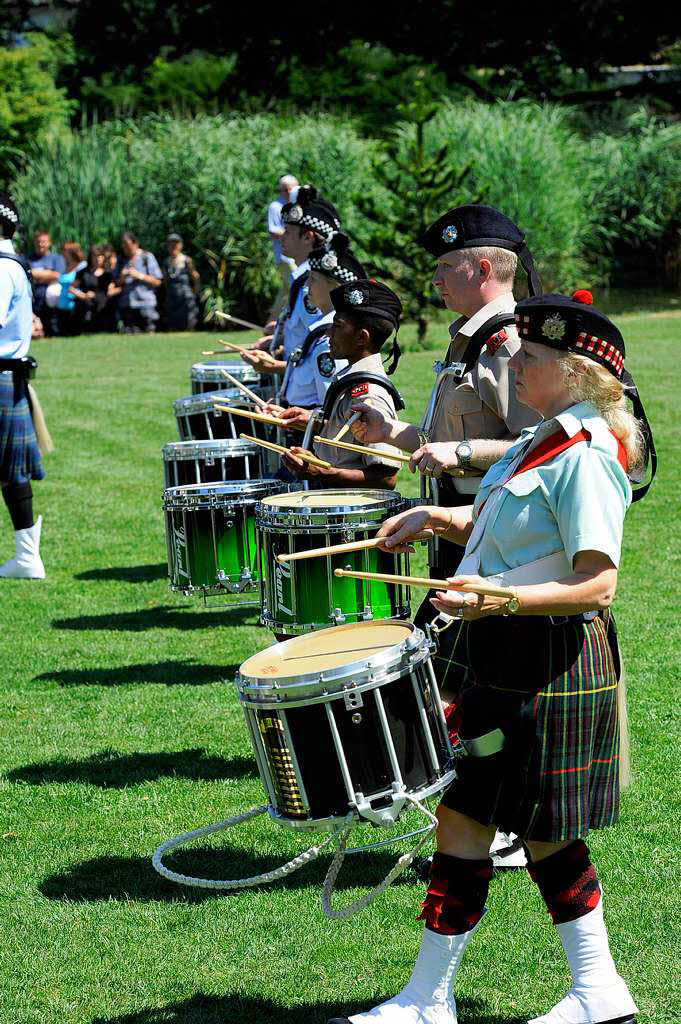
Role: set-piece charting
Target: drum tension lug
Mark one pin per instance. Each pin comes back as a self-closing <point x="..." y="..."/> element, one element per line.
<point x="353" y="699"/>
<point x="338" y="616"/>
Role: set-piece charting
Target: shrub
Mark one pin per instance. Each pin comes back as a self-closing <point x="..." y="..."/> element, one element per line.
<point x="209" y="177"/>
<point x="525" y="159"/>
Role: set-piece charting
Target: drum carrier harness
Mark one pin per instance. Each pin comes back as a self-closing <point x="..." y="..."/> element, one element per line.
<point x="338" y="386"/>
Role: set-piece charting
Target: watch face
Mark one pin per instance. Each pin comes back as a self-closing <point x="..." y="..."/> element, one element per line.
<point x="464" y="451"/>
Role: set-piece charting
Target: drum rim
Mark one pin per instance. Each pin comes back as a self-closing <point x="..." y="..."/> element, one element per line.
<point x="245" y="487"/>
<point x="381" y="662"/>
<point x="236" y="444"/>
<point x="208" y="397"/>
<point x="244" y="371"/>
<point x="388" y="499"/>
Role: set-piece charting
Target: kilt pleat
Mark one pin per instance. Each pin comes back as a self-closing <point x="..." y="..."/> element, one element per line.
<point x="20" y="458"/>
<point x="558" y="776"/>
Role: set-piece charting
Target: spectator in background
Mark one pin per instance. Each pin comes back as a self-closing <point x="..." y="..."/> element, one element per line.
<point x="66" y="303"/>
<point x="46" y="266"/>
<point x="138" y="276"/>
<point x="181" y="281"/>
<point x="90" y="289"/>
<point x="288" y="189"/>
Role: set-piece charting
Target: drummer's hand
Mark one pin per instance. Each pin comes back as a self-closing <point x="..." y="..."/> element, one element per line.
<point x="257" y="359"/>
<point x="433" y="458"/>
<point x="404" y="527"/>
<point x="269" y="327"/>
<point x="271" y="409"/>
<point x="372" y="428"/>
<point x="467" y="605"/>
<point x="296" y="418"/>
<point x="261" y="343"/>
<point x="295" y="465"/>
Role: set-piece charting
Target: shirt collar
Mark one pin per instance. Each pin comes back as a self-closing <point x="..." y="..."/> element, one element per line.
<point x="6" y="245"/>
<point x="504" y="303"/>
<point x="570" y="420"/>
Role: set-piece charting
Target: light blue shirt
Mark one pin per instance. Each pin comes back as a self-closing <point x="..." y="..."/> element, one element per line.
<point x="575" y="502"/>
<point x="16" y="307"/>
<point x="304" y="316"/>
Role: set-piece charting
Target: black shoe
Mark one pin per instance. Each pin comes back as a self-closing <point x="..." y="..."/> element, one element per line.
<point x="421" y="868"/>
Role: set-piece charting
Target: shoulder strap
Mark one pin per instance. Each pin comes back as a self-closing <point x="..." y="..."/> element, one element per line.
<point x="349" y="380"/>
<point x="297" y="285"/>
<point x="482" y="335"/>
<point x="22" y="263"/>
<point x="313" y="335"/>
<point x="559" y="442"/>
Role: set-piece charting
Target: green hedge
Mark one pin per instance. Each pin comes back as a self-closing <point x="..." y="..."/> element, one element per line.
<point x="583" y="203"/>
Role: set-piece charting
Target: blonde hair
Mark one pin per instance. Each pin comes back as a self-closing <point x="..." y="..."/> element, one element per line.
<point x="588" y="381"/>
<point x="504" y="262"/>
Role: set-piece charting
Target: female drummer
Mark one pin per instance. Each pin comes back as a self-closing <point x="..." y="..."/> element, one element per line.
<point x="539" y="699"/>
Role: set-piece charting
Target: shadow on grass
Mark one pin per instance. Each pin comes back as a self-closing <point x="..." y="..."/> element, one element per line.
<point x="127" y="573"/>
<point x="134" y="878"/>
<point x="111" y="770"/>
<point x="234" y="1009"/>
<point x="170" y="673"/>
<point x="165" y="616"/>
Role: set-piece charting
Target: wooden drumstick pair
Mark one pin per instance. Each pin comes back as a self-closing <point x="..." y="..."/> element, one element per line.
<point x="365" y="450"/>
<point x="484" y="589"/>
<point x="261" y="417"/>
<point x="305" y="456"/>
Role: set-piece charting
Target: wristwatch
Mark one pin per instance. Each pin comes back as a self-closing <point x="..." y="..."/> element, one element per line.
<point x="512" y="606"/>
<point x="464" y="454"/>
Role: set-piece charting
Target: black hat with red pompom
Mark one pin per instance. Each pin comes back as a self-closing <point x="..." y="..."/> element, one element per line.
<point x="572" y="325"/>
<point x="575" y="325"/>
<point x="311" y="211"/>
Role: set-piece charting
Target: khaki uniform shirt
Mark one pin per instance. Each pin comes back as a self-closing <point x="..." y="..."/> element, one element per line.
<point x="483" y="402"/>
<point x="368" y="393"/>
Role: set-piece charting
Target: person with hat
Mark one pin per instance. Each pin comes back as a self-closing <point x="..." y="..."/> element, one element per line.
<point x="308" y="223"/>
<point x="473" y="414"/>
<point x="310" y="367"/>
<point x="20" y="459"/>
<point x="366" y="313"/>
<point x="181" y="280"/>
<point x="542" y="708"/>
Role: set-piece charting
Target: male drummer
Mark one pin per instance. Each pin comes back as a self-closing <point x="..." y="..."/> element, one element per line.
<point x="473" y="415"/>
<point x="366" y="314"/>
<point x="308" y="222"/>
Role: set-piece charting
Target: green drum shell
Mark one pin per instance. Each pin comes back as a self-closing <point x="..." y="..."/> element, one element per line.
<point x="305" y="595"/>
<point x="210" y="534"/>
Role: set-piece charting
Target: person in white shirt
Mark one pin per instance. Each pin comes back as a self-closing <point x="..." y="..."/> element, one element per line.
<point x="288" y="187"/>
<point x="20" y="459"/>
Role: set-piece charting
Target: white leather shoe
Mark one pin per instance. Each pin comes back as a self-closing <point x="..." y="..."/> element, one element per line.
<point x="427" y="997"/>
<point x="27" y="563"/>
<point x="507" y="851"/>
<point x="598" y="994"/>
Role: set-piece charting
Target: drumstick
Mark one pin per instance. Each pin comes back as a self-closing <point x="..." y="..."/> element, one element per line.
<point x="343" y="430"/>
<point x="242" y="387"/>
<point x="312" y="459"/>
<point x="236" y="320"/>
<point x="485" y="589"/>
<point x="261" y="417"/>
<point x="363" y="450"/>
<point x="339" y="549"/>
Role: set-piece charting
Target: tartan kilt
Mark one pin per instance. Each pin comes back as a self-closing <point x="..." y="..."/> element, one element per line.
<point x="552" y="689"/>
<point x="20" y="458"/>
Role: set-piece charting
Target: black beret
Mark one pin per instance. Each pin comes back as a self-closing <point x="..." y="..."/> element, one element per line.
<point x="368" y="297"/>
<point x="310" y="210"/>
<point x="572" y="325"/>
<point x="469" y="226"/>
<point x="336" y="259"/>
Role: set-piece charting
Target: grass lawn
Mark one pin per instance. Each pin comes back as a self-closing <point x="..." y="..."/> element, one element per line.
<point x="120" y="727"/>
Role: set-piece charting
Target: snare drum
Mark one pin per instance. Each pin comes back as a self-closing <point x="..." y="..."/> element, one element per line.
<point x="208" y="377"/>
<point x="304" y="595"/>
<point x="199" y="420"/>
<point x="210" y="534"/>
<point x="200" y="462"/>
<point x="345" y="722"/>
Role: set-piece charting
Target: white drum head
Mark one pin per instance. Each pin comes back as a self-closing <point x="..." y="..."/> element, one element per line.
<point x="325" y="499"/>
<point x="326" y="649"/>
